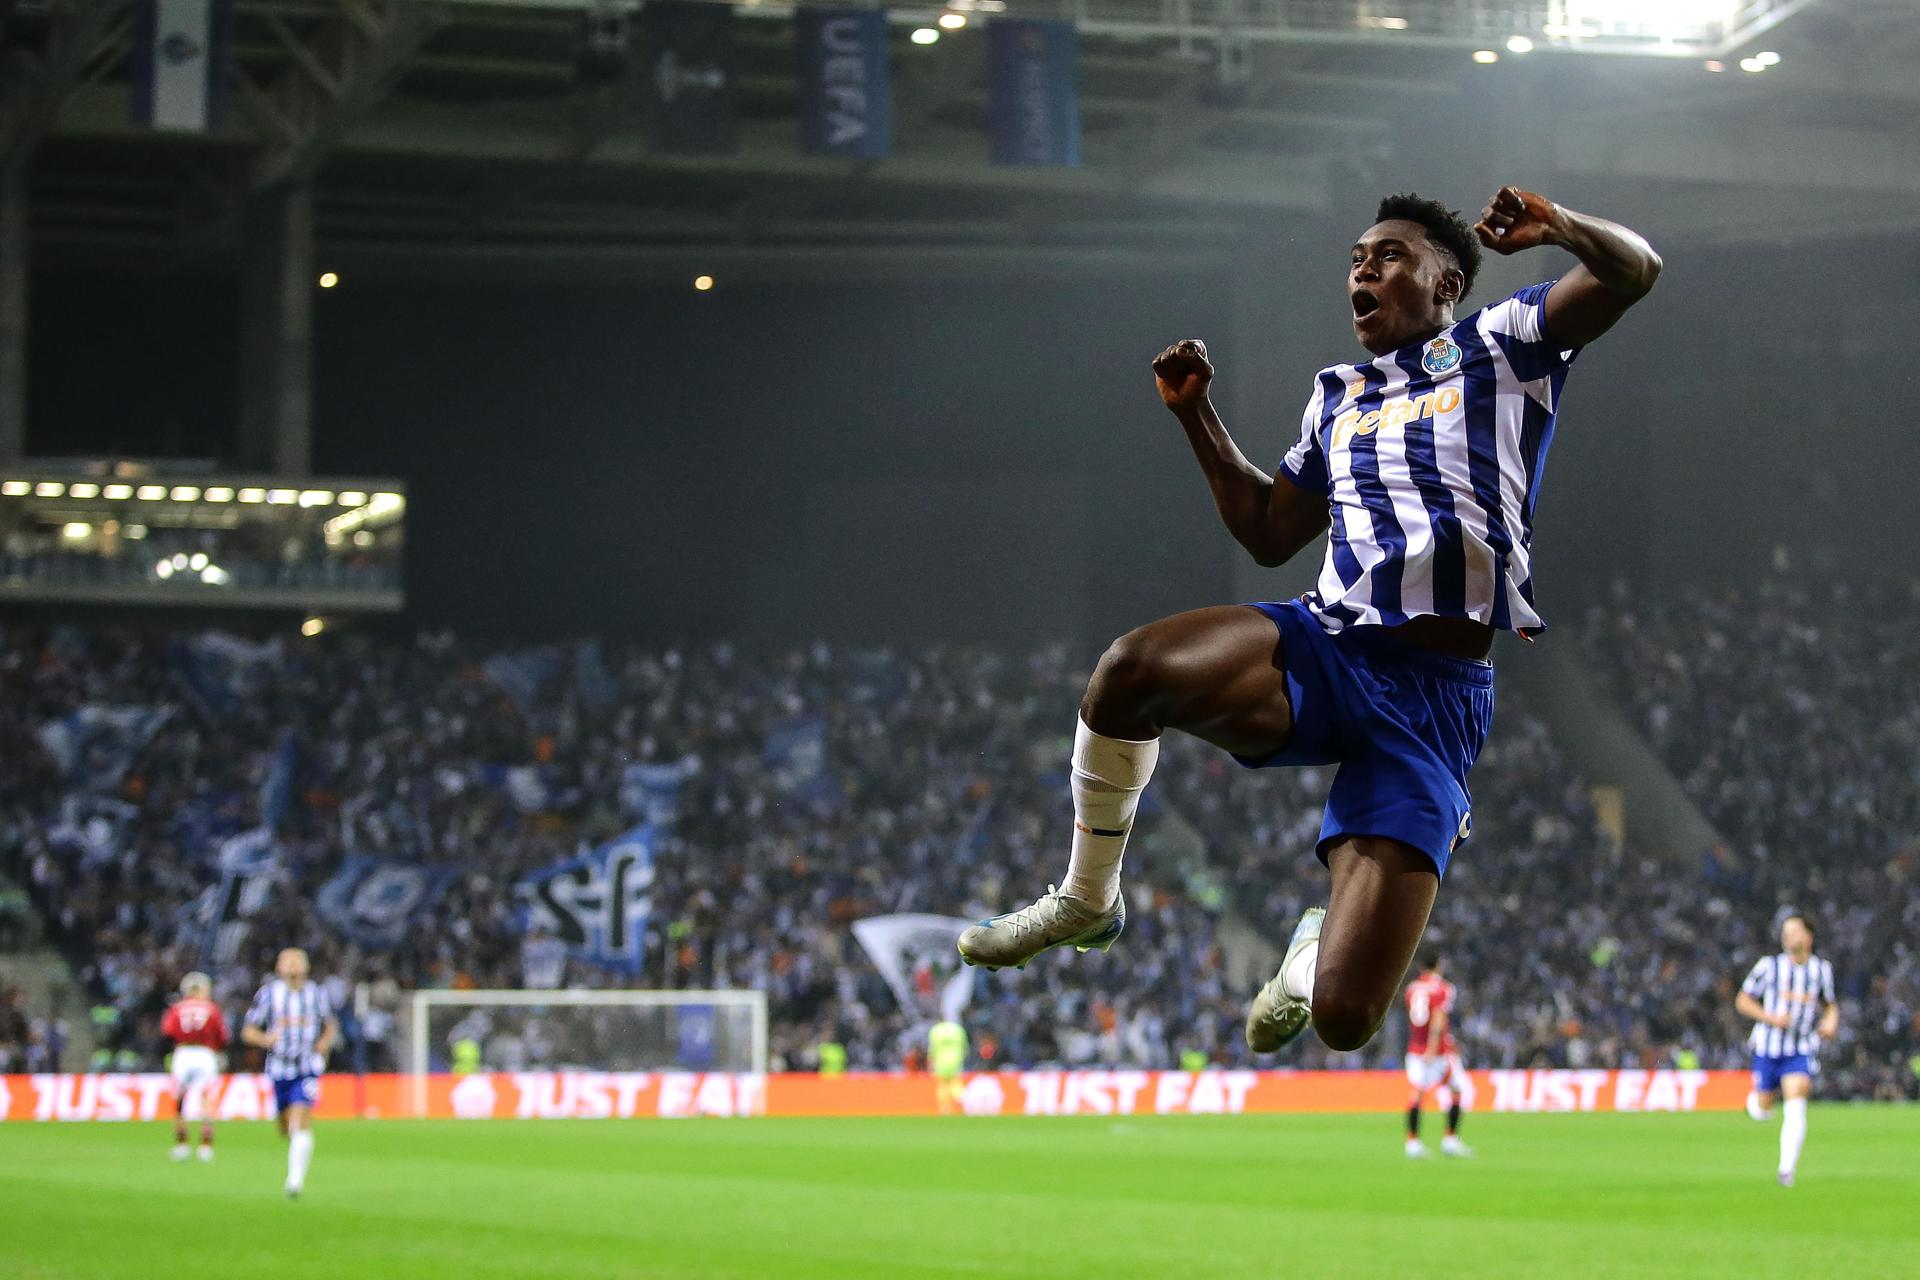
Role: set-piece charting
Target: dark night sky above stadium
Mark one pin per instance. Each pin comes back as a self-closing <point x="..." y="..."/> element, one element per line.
<point x="980" y="460"/>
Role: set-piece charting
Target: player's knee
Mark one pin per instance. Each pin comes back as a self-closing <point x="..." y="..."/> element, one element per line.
<point x="1345" y="1023"/>
<point x="1129" y="673"/>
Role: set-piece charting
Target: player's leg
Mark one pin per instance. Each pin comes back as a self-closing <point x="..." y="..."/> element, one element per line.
<point x="1766" y="1085"/>
<point x="1795" y="1089"/>
<point x="181" y="1090"/>
<point x="1416" y="1094"/>
<point x="1344" y="965"/>
<point x="1215" y="673"/>
<point x="299" y="1118"/>
<point x="1458" y="1099"/>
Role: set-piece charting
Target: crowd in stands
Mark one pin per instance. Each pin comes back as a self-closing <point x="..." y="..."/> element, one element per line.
<point x="939" y="786"/>
<point x="1790" y="713"/>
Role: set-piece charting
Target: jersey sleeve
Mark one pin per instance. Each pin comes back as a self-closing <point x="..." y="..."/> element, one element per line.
<point x="1447" y="994"/>
<point x="1826" y="983"/>
<point x="1306" y="463"/>
<point x="170" y="1025"/>
<point x="261" y="1010"/>
<point x="1759" y="978"/>
<point x="1519" y="323"/>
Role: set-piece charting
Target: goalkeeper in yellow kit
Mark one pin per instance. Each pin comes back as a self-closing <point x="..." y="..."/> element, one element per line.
<point x="946" y="1058"/>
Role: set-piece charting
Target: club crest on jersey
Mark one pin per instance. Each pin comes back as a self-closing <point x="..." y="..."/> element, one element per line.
<point x="1356" y="388"/>
<point x="1442" y="355"/>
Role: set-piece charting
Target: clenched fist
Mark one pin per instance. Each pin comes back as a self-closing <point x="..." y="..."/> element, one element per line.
<point x="1183" y="373"/>
<point x="1514" y="220"/>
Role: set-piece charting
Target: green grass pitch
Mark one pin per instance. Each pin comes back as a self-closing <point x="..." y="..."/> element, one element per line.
<point x="1051" y="1199"/>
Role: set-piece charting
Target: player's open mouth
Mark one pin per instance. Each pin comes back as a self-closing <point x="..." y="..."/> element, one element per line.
<point x="1364" y="304"/>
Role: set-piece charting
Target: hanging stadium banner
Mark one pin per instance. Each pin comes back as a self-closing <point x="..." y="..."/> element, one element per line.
<point x="846" y="93"/>
<point x="693" y="101"/>
<point x="915" y="954"/>
<point x="796" y="754"/>
<point x="621" y="1095"/>
<point x="1033" y="79"/>
<point x="181" y="63"/>
<point x="373" y="902"/>
<point x="597" y="904"/>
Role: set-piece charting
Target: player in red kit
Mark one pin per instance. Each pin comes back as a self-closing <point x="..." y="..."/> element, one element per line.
<point x="1433" y="1059"/>
<point x="199" y="1031"/>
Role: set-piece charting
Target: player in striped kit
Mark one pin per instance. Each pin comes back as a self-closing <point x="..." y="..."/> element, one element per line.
<point x="292" y="1019"/>
<point x="199" y="1032"/>
<point x="1425" y="462"/>
<point x="1790" y="998"/>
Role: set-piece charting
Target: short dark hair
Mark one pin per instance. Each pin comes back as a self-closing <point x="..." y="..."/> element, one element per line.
<point x="1431" y="960"/>
<point x="1444" y="226"/>
<point x="1804" y="922"/>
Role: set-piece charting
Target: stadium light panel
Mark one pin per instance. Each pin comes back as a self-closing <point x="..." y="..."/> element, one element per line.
<point x="703" y="283"/>
<point x="83" y="490"/>
<point x="1767" y="58"/>
<point x="1485" y="57"/>
<point x="47" y="489"/>
<point x="75" y="531"/>
<point x="135" y="531"/>
<point x="198" y="561"/>
<point x="1519" y="44"/>
<point x="925" y="35"/>
<point x="118" y="492"/>
<point x="328" y="279"/>
<point x="283" y="497"/>
<point x="218" y="493"/>
<point x="953" y="21"/>
<point x="317" y="498"/>
<point x="352" y="498"/>
<point x="186" y="493"/>
<point x="151" y="492"/>
<point x="313" y="626"/>
<point x="16" y="488"/>
<point x="252" y="495"/>
<point x="163" y="570"/>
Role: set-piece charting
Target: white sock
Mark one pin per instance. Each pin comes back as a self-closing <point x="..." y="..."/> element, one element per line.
<point x="1757" y="1111"/>
<point x="1296" y="978"/>
<point x="1793" y="1132"/>
<point x="299" y="1156"/>
<point x="1108" y="776"/>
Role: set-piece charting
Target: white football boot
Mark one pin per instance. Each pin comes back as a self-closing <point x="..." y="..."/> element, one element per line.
<point x="1276" y="1018"/>
<point x="1054" y="921"/>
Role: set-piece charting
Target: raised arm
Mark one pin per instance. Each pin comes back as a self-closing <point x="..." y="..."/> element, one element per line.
<point x="1616" y="267"/>
<point x="1272" y="519"/>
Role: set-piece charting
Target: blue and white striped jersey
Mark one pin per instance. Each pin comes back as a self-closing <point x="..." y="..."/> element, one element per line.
<point x="296" y="1019"/>
<point x="1431" y="458"/>
<point x="1800" y="991"/>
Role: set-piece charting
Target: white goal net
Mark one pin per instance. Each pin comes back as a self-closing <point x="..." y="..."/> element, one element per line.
<point x="586" y="1031"/>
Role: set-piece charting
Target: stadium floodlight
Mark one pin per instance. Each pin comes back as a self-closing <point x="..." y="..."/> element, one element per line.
<point x="16" y="488"/>
<point x="925" y="35"/>
<point x="118" y="492"/>
<point x="48" y="489"/>
<point x="152" y="492"/>
<point x="1485" y="57"/>
<point x="953" y="21"/>
<point x="523" y="1030"/>
<point x="89" y="490"/>
<point x="1519" y="44"/>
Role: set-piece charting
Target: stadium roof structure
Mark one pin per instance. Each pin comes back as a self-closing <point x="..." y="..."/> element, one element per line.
<point x="466" y="136"/>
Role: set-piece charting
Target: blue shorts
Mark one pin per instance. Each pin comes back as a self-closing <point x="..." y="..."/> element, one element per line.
<point x="1769" y="1072"/>
<point x="301" y="1091"/>
<point x="1404" y="724"/>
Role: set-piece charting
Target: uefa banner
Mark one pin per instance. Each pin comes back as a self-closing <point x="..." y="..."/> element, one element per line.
<point x="608" y="1095"/>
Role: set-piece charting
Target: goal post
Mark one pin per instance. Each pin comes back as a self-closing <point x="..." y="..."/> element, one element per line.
<point x="520" y="1030"/>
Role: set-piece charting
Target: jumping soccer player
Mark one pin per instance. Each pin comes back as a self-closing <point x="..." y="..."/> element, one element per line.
<point x="1785" y="994"/>
<point x="199" y="1031"/>
<point x="1433" y="1059"/>
<point x="293" y="1021"/>
<point x="1425" y="461"/>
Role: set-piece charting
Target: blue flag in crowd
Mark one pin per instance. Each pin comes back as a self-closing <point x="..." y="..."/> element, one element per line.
<point x="276" y="789"/>
<point x="797" y="755"/>
<point x="249" y="865"/>
<point x="181" y="68"/>
<point x="373" y="902"/>
<point x="525" y="676"/>
<point x="94" y="746"/>
<point x="650" y="793"/>
<point x="1034" y="85"/>
<point x="220" y="671"/>
<point x="846" y="106"/>
<point x="694" y="101"/>
<point x="596" y="685"/>
<point x="597" y="904"/>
